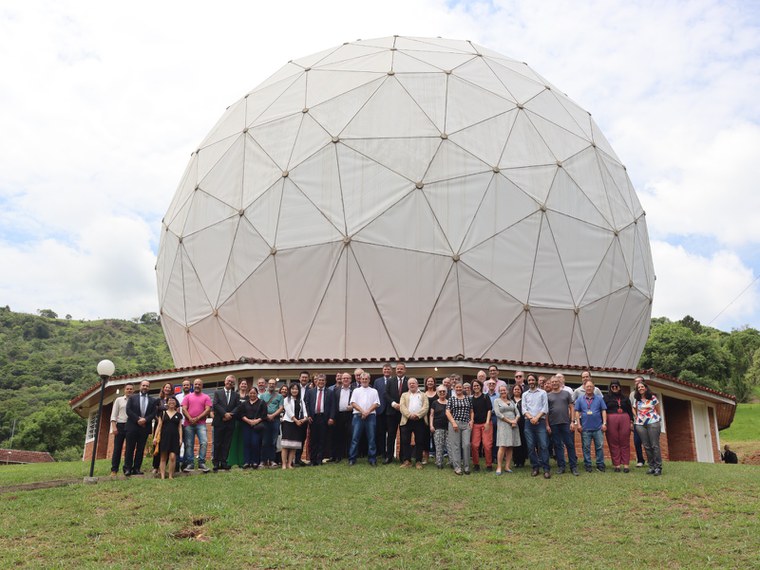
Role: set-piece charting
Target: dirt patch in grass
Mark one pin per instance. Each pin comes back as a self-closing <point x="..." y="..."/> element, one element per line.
<point x="38" y="485"/>
<point x="195" y="531"/>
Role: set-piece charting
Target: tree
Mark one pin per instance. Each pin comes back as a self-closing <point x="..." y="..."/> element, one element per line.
<point x="52" y="427"/>
<point x="47" y="313"/>
<point x="150" y="318"/>
<point x="675" y="349"/>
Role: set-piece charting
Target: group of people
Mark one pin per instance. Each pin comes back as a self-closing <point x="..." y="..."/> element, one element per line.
<point x="530" y="420"/>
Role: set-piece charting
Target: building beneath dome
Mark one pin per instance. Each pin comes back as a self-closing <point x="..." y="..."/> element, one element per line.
<point x="408" y="197"/>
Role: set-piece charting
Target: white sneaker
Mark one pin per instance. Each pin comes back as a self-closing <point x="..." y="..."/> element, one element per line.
<point x="188" y="469"/>
<point x="639" y="465"/>
<point x="202" y="467"/>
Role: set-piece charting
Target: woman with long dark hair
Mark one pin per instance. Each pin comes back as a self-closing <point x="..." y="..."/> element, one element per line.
<point x="163" y="398"/>
<point x="427" y="443"/>
<point x="236" y="456"/>
<point x="520" y="453"/>
<point x="647" y="425"/>
<point x="293" y="425"/>
<point x="170" y="430"/>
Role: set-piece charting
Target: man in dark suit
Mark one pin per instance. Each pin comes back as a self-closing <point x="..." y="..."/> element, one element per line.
<point x="393" y="391"/>
<point x="319" y="405"/>
<point x="226" y="403"/>
<point x="141" y="409"/>
<point x="380" y="426"/>
<point x="303" y="380"/>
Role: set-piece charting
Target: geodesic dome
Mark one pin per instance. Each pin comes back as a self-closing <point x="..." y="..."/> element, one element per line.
<point x="406" y="197"/>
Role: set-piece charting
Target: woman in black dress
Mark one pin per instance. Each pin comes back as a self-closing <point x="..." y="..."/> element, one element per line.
<point x="166" y="391"/>
<point x="171" y="437"/>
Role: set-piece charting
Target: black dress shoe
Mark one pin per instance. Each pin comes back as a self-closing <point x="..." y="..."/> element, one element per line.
<point x="127" y="473"/>
<point x="561" y="471"/>
<point x="137" y="473"/>
<point x="387" y="461"/>
<point x="351" y="463"/>
<point x="547" y="475"/>
<point x="534" y="473"/>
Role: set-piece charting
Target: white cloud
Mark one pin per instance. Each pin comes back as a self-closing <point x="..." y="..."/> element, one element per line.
<point x="703" y="287"/>
<point x="107" y="272"/>
<point x="715" y="193"/>
<point x="102" y="104"/>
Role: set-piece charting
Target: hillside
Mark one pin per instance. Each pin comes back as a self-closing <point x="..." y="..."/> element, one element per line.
<point x="45" y="361"/>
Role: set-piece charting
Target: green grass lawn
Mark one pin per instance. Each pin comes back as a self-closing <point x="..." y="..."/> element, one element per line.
<point x="746" y="424"/>
<point x="695" y="516"/>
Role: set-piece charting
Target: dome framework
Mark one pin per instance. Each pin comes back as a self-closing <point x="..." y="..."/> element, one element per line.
<point x="406" y="197"/>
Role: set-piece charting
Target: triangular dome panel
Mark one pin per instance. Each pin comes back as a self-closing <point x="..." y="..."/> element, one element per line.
<point x="503" y="205"/>
<point x="469" y="104"/>
<point x="313" y="225"/>
<point x="248" y="251"/>
<point x="486" y="139"/>
<point x="390" y="112"/>
<point x="403" y="286"/>
<point x="366" y="331"/>
<point x="301" y="298"/>
<point x="408" y="225"/>
<point x="208" y="251"/>
<point x="507" y="259"/>
<point x="483" y="322"/>
<point x="326" y="337"/>
<point x="443" y="330"/>
<point x="256" y="309"/>
<point x="455" y="203"/>
<point x="525" y="146"/>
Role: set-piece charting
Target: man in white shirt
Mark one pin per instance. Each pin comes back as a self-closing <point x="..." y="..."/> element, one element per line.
<point x="119" y="426"/>
<point x="364" y="401"/>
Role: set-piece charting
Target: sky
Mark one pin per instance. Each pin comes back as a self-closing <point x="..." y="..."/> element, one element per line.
<point x="102" y="103"/>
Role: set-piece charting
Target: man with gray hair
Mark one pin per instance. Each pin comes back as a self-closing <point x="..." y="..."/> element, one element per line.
<point x="414" y="409"/>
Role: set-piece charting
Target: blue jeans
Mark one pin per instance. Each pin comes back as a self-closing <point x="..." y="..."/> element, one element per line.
<point x="359" y="426"/>
<point x="563" y="439"/>
<point x="252" y="445"/>
<point x="188" y="436"/>
<point x="536" y="437"/>
<point x="586" y="437"/>
<point x="270" y="440"/>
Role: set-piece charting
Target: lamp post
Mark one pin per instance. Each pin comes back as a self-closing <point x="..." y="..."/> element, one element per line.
<point x="106" y="369"/>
